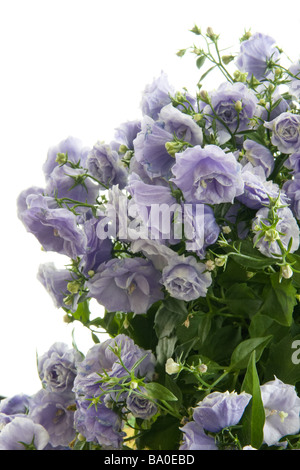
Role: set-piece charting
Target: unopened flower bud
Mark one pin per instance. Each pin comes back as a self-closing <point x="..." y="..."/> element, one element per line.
<point x="91" y="273"/>
<point x="220" y="261"/>
<point x="134" y="385"/>
<point x="172" y="367"/>
<point x="197" y="117"/>
<point x="123" y="148"/>
<point x="61" y="158"/>
<point x="202" y="368"/>
<point x="271" y="235"/>
<point x="226" y="59"/>
<point x="226" y="229"/>
<point x="73" y="287"/>
<point x="203" y="95"/>
<point x="286" y="271"/>
<point x="238" y="106"/>
<point x="210" y="265"/>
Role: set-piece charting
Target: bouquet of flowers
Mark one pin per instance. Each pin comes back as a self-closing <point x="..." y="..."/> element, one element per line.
<point x="185" y="228"/>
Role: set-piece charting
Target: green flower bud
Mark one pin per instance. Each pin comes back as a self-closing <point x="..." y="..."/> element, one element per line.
<point x="286" y="271"/>
<point x="271" y="235"/>
<point x="61" y="158"/>
<point x="238" y="106"/>
<point x="73" y="287"/>
<point x="226" y="59"/>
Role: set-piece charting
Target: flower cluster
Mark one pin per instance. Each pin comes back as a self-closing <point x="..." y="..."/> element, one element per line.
<point x="185" y="229"/>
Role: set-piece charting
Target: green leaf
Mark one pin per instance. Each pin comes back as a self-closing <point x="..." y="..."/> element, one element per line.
<point x="171" y="313"/>
<point x="242" y="300"/>
<point x="165" y="349"/>
<point x="279" y="300"/>
<point x="284" y="360"/>
<point x="200" y="61"/>
<point x="159" y="392"/>
<point x="241" y="355"/>
<point x="83" y="312"/>
<point x="254" y="416"/>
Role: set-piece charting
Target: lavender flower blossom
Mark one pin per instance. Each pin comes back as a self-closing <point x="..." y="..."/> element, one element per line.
<point x="195" y="438"/>
<point x="294" y="84"/>
<point x="17" y="404"/>
<point x="125" y="134"/>
<point x="128" y="285"/>
<point x="180" y="124"/>
<point x="71" y="183"/>
<point x="282" y="408"/>
<point x="156" y="95"/>
<point x="55" y="282"/>
<point x="234" y="105"/>
<point x="55" y="413"/>
<point x="293" y="163"/>
<point x="55" y="228"/>
<point x="150" y="148"/>
<point x="285" y="132"/>
<point x="259" y="155"/>
<point x="208" y="175"/>
<point x="220" y="410"/>
<point x="185" y="278"/>
<point x="57" y="367"/>
<point x="105" y="165"/>
<point x="292" y="190"/>
<point x="99" y="424"/>
<point x="255" y="53"/>
<point x="287" y="226"/>
<point x="140" y="406"/>
<point x="201" y="230"/>
<point x="22" y="434"/>
<point x="256" y="188"/>
<point x="71" y="146"/>
<point x="153" y="250"/>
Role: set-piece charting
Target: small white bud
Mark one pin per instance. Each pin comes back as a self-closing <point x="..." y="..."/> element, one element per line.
<point x="172" y="367"/>
<point x="286" y="271"/>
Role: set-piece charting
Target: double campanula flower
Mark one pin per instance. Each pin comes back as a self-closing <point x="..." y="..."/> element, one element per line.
<point x="15" y="405"/>
<point x="55" y="412"/>
<point x="257" y="189"/>
<point x="139" y="405"/>
<point x="72" y="147"/>
<point x="67" y="182"/>
<point x="285" y="132"/>
<point x="294" y="83"/>
<point x="155" y="205"/>
<point x="55" y="228"/>
<point x="214" y="413"/>
<point x="220" y="410"/>
<point x="254" y="55"/>
<point x="282" y="409"/>
<point x="153" y="250"/>
<point x="57" y="367"/>
<point x="22" y="433"/>
<point x="292" y="190"/>
<point x="258" y="155"/>
<point x="97" y="250"/>
<point x="156" y="95"/>
<point x="128" y="285"/>
<point x="106" y="166"/>
<point x="152" y="142"/>
<point x="98" y="422"/>
<point x="208" y="175"/>
<point x="286" y="229"/>
<point x="293" y="163"/>
<point x="125" y="134"/>
<point x="230" y="108"/>
<point x="185" y="278"/>
<point x="56" y="282"/>
<point x="201" y="228"/>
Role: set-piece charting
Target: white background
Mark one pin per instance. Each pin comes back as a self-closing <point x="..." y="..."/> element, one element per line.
<point x="78" y="68"/>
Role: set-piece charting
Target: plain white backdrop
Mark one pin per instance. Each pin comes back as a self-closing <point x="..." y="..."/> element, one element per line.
<point x="71" y="67"/>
